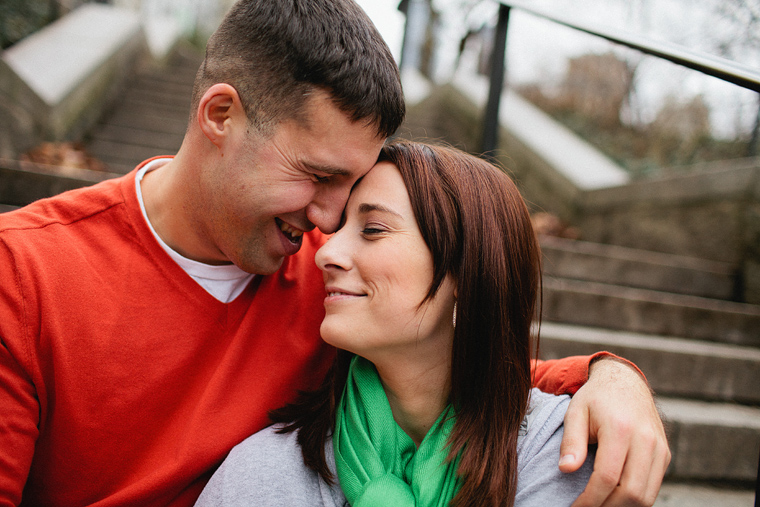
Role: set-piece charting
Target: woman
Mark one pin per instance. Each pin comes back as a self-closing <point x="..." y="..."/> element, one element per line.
<point x="432" y="283"/>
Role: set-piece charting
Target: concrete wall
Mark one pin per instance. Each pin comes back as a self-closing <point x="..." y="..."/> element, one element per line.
<point x="712" y="213"/>
<point x="55" y="83"/>
<point x="23" y="183"/>
<point x="708" y="212"/>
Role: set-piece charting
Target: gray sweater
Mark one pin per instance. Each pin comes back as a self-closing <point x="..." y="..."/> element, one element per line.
<point x="267" y="468"/>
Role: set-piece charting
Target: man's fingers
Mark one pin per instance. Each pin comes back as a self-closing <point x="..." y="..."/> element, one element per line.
<point x="632" y="454"/>
<point x="627" y="476"/>
<point x="659" y="467"/>
<point x="646" y="463"/>
<point x="574" y="447"/>
<point x="608" y="466"/>
<point x="632" y="488"/>
<point x="644" y="469"/>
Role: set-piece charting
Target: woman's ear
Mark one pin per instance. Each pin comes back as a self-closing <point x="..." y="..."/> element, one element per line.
<point x="219" y="108"/>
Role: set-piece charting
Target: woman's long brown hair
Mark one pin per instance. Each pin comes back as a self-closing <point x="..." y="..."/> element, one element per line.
<point x="478" y="229"/>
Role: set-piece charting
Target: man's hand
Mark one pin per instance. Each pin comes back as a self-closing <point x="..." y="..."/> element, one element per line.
<point x="616" y="410"/>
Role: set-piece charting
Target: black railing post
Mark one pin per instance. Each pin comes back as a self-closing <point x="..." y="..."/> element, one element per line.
<point x="752" y="148"/>
<point x="491" y="120"/>
<point x="757" y="486"/>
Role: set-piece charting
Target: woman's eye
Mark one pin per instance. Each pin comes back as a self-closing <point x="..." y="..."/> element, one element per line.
<point x="372" y="230"/>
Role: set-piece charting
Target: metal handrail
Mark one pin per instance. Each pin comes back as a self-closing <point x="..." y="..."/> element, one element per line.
<point x="722" y="68"/>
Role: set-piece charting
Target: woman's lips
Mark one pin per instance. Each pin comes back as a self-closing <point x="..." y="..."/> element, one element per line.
<point x="336" y="294"/>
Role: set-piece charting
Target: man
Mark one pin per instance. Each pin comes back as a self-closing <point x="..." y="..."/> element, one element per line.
<point x="149" y="323"/>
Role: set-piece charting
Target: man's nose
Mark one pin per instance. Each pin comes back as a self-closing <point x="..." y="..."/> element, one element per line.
<point x="326" y="210"/>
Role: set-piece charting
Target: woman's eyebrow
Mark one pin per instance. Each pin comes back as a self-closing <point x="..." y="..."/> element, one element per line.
<point x="368" y="207"/>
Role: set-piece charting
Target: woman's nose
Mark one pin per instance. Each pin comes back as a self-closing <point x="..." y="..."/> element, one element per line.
<point x="333" y="254"/>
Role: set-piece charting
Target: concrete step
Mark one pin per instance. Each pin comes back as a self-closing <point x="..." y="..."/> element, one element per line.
<point x="715" y="441"/>
<point x="145" y="117"/>
<point x="184" y="63"/>
<point x="160" y="98"/>
<point x="118" y="155"/>
<point x="650" y="312"/>
<point x="596" y="262"/>
<point x="138" y="136"/>
<point x="151" y="117"/>
<point x="131" y="101"/>
<point x="673" y="366"/>
<point x="697" y="494"/>
<point x="712" y="441"/>
<point x="176" y="81"/>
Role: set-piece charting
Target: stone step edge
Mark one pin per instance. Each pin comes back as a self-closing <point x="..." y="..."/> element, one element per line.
<point x="608" y="337"/>
<point x="711" y="441"/>
<point x="674" y="367"/>
<point x="650" y="296"/>
<point x="698" y="494"/>
<point x="714" y="413"/>
<point x="635" y="255"/>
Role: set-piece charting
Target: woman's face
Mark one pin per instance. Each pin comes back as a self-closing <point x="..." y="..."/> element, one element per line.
<point x="377" y="270"/>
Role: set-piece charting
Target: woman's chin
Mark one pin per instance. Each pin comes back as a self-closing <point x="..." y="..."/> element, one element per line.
<point x="331" y="335"/>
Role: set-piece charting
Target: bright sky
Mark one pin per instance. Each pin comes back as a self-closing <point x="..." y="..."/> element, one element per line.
<point x="388" y="20"/>
<point x="537" y="50"/>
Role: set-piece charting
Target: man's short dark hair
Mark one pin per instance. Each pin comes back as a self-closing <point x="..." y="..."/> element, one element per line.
<point x="276" y="52"/>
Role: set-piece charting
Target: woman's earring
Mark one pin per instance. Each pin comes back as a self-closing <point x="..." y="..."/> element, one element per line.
<point x="454" y="319"/>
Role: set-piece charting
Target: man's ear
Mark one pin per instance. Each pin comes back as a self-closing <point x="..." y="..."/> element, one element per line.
<point x="218" y="109"/>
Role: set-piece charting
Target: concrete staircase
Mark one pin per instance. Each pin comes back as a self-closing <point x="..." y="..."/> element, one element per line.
<point x="151" y="118"/>
<point x="700" y="351"/>
<point x="148" y="119"/>
<point x="673" y="316"/>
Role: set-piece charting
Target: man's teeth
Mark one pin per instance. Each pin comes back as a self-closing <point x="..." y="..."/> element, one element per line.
<point x="286" y="228"/>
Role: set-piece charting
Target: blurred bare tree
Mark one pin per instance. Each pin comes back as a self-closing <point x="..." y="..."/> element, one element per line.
<point x="19" y="18"/>
<point x="744" y="16"/>
<point x="596" y="86"/>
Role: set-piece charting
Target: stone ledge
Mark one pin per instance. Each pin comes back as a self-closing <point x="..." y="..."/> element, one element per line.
<point x="673" y="366"/>
<point x="651" y="312"/>
<point x="23" y="183"/>
<point x="690" y="494"/>
<point x="58" y="58"/>
<point x="731" y="179"/>
<point x="574" y="159"/>
<point x="613" y="264"/>
<point x="712" y="440"/>
<point x="55" y="83"/>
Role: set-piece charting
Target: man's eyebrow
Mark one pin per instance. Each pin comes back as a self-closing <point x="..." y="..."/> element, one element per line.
<point x="367" y="207"/>
<point x="327" y="169"/>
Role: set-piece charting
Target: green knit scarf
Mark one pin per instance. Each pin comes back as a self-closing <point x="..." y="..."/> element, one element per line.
<point x="378" y="464"/>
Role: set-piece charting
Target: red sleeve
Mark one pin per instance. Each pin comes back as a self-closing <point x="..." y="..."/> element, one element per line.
<point x="18" y="429"/>
<point x="567" y="375"/>
<point x="19" y="410"/>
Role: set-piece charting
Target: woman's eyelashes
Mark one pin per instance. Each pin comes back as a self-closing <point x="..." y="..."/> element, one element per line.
<point x="373" y="230"/>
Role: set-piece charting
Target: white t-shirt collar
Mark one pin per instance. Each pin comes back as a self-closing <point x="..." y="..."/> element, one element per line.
<point x="224" y="282"/>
